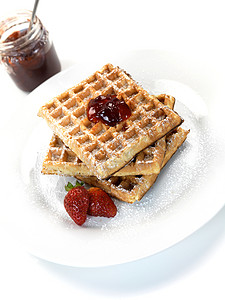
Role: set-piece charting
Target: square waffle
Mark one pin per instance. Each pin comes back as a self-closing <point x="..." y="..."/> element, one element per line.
<point x="106" y="149"/>
<point x="133" y="188"/>
<point x="61" y="160"/>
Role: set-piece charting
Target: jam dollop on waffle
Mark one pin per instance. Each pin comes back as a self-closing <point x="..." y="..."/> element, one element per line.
<point x="108" y="110"/>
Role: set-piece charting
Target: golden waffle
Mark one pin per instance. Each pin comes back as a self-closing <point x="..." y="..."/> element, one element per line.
<point x="133" y="188"/>
<point x="106" y="149"/>
<point x="61" y="160"/>
<point x="173" y="141"/>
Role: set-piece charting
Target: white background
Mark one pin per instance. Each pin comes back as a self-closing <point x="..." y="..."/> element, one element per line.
<point x="194" y="268"/>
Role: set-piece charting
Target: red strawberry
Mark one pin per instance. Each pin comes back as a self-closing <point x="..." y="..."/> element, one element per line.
<point x="76" y="203"/>
<point x="101" y="205"/>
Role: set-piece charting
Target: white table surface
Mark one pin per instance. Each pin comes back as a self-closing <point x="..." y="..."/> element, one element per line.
<point x="195" y="267"/>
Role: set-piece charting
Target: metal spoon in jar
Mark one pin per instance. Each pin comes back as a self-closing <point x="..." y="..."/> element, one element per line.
<point x="33" y="14"/>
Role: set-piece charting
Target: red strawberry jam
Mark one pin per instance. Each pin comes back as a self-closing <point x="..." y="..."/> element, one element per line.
<point x="108" y="110"/>
<point x="95" y="106"/>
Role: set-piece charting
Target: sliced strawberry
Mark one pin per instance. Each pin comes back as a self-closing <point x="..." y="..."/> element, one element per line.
<point x="76" y="203"/>
<point x="101" y="204"/>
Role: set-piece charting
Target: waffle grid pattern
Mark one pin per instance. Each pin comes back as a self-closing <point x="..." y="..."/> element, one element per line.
<point x="107" y="149"/>
<point x="61" y="160"/>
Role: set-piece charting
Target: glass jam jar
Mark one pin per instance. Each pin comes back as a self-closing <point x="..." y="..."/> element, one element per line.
<point x="29" y="56"/>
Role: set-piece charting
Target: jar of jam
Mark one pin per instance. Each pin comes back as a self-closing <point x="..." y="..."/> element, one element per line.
<point x="28" y="55"/>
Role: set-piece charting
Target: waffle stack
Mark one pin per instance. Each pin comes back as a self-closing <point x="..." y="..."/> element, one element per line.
<point x="124" y="160"/>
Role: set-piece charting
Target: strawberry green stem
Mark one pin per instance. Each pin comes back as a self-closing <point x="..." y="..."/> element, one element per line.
<point x="70" y="186"/>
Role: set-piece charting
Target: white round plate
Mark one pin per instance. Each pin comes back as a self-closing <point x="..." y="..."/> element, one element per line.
<point x="188" y="192"/>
